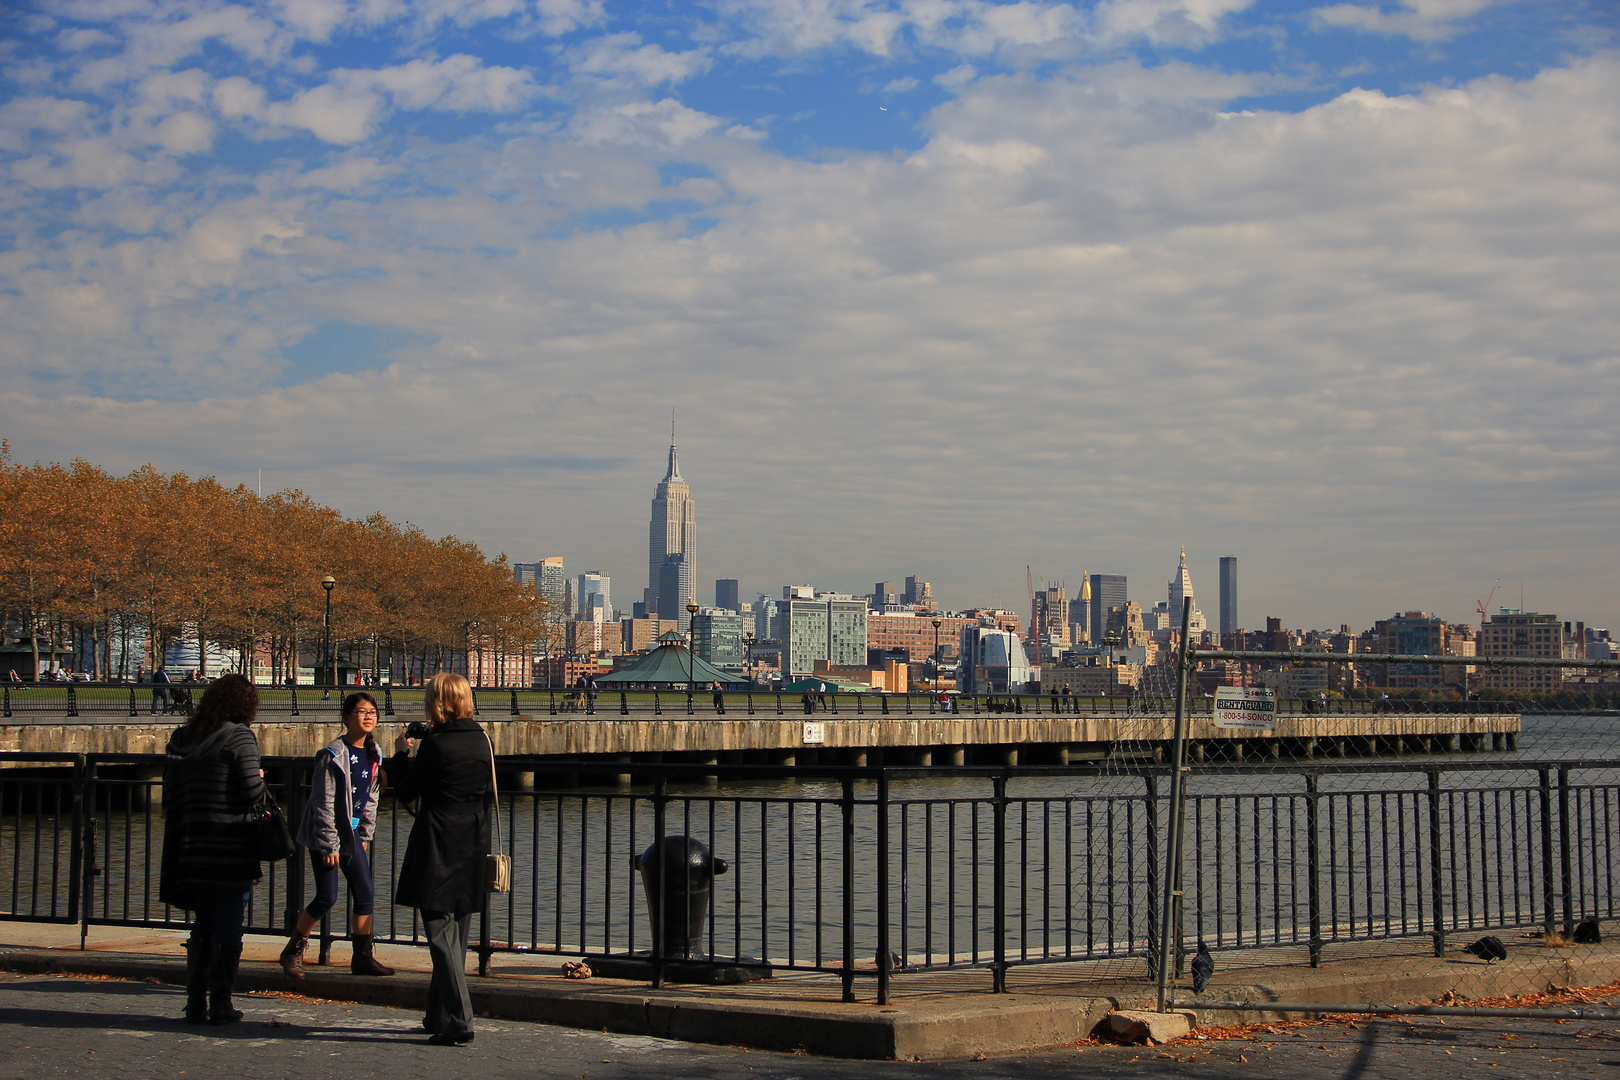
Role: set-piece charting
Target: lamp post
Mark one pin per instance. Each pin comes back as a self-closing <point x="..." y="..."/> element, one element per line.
<point x="935" y="653"/>
<point x="691" y="648"/>
<point x="328" y="583"/>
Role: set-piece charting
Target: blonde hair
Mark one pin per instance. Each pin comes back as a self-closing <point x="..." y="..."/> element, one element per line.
<point x="449" y="697"/>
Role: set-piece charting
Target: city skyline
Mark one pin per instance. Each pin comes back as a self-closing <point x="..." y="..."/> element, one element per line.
<point x="1327" y="287"/>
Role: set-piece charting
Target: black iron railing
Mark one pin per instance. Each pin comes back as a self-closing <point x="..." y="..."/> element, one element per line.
<point x="864" y="872"/>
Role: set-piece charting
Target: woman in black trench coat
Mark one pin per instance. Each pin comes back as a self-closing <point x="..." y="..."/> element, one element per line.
<point x="443" y="870"/>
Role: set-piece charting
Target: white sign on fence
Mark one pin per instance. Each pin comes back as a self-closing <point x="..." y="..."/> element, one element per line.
<point x="1251" y="707"/>
<point x="815" y="733"/>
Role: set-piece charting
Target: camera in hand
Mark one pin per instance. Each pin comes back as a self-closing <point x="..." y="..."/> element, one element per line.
<point x="416" y="730"/>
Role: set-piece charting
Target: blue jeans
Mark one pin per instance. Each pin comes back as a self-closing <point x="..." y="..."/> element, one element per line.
<point x="219" y="909"/>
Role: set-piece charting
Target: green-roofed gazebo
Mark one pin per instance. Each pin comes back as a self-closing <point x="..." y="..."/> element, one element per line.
<point x="670" y="664"/>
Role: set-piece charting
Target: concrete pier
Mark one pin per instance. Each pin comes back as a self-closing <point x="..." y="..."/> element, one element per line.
<point x="846" y="738"/>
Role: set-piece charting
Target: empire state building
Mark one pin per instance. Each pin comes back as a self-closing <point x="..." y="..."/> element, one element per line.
<point x="672" y="545"/>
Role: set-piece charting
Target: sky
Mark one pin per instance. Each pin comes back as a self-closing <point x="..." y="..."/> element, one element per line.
<point x="934" y="287"/>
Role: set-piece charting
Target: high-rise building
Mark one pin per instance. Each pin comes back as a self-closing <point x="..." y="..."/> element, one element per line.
<point x="1229" y="608"/>
<point x="1181" y="589"/>
<point x="725" y="594"/>
<point x="548" y="578"/>
<point x="1052" y="622"/>
<point x="671" y="531"/>
<point x="830" y="627"/>
<point x="884" y="594"/>
<point x="675" y="590"/>
<point x="1107" y="591"/>
<point x="593" y="591"/>
<point x="917" y="593"/>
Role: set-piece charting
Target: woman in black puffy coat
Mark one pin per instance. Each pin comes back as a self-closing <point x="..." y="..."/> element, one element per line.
<point x="212" y="783"/>
<point x="443" y="869"/>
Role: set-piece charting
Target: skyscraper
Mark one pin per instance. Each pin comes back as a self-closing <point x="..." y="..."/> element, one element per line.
<point x="1181" y="588"/>
<point x="1107" y="591"/>
<point x="672" y="531"/>
<point x="594" y="591"/>
<point x="725" y="593"/>
<point x="1229" y="614"/>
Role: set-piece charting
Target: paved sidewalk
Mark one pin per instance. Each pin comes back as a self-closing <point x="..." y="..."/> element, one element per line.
<point x="65" y="1027"/>
<point x="931" y="1015"/>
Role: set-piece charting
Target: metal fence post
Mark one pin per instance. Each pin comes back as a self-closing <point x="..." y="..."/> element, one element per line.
<point x="8" y="700"/>
<point x="883" y="959"/>
<point x="998" y="886"/>
<point x="388" y="700"/>
<point x="848" y="806"/>
<point x="132" y="709"/>
<point x="73" y="701"/>
<point x="76" y="850"/>
<point x="1564" y="852"/>
<point x="1546" y="851"/>
<point x="660" y="799"/>
<point x="514" y="703"/>
<point x="295" y="699"/>
<point x="295" y="865"/>
<point x="624" y="703"/>
<point x="1313" y="859"/>
<point x="1170" y="906"/>
<point x="1436" y="863"/>
<point x="90" y="871"/>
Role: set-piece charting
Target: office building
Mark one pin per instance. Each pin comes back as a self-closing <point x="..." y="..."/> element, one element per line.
<point x="671" y="531"/>
<point x="830" y="627"/>
<point x="1411" y="633"/>
<point x="717" y="637"/>
<point x="1512" y="632"/>
<point x="918" y="593"/>
<point x="725" y="594"/>
<point x="675" y="590"/>
<point x="884" y="595"/>
<point x="913" y="634"/>
<point x="1229" y="608"/>
<point x="1107" y="593"/>
<point x="592" y="593"/>
<point x="1181" y="589"/>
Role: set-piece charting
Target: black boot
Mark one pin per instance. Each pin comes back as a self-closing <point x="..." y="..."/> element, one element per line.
<point x="292" y="957"/>
<point x="199" y="959"/>
<point x="364" y="962"/>
<point x="221" y="979"/>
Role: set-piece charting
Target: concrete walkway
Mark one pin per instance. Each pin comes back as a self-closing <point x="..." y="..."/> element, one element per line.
<point x="931" y="1015"/>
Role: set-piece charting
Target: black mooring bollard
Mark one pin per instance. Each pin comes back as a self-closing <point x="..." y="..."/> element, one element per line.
<point x="686" y="873"/>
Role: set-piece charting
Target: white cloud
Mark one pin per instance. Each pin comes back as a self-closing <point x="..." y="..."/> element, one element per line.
<point x="666" y="123"/>
<point x="623" y="56"/>
<point x="1425" y="20"/>
<point x="900" y="86"/>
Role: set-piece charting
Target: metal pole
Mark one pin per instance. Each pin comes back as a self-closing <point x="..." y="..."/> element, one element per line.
<point x="1170" y="907"/>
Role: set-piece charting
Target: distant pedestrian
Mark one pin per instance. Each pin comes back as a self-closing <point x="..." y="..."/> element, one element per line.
<point x="212" y="782"/>
<point x="160" y="692"/>
<point x="590" y="694"/>
<point x="340" y="818"/>
<point x="719" y="698"/>
<point x="16" y="679"/>
<point x="442" y="873"/>
<point x="821" y="696"/>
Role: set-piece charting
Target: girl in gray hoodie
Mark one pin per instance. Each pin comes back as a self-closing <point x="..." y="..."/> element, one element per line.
<point x="339" y="821"/>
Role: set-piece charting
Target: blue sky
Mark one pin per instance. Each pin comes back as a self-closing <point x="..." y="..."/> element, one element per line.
<point x="934" y="286"/>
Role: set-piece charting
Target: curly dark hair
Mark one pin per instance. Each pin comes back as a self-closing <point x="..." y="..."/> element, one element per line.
<point x="229" y="699"/>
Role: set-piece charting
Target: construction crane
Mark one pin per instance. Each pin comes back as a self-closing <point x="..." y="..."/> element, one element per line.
<point x="1485" y="603"/>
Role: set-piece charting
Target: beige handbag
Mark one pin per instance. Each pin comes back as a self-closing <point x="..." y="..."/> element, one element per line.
<point x="497" y="867"/>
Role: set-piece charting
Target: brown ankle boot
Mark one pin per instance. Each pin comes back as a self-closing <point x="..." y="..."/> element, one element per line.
<point x="292" y="957"/>
<point x="364" y="962"/>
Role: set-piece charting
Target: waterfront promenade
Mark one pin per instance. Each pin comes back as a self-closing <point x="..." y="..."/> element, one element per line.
<point x="55" y="1025"/>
